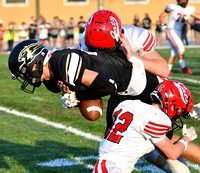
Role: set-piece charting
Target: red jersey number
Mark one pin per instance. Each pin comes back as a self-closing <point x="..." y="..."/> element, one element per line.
<point x="113" y="134"/>
<point x="181" y="18"/>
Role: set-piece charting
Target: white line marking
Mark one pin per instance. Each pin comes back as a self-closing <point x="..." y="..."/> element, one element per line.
<point x="185" y="79"/>
<point x="56" y="125"/>
<point x="69" y="162"/>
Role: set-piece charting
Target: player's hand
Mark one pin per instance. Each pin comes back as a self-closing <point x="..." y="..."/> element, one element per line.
<point x="69" y="100"/>
<point x="196" y="112"/>
<point x="62" y="86"/>
<point x="126" y="46"/>
<point x="189" y="132"/>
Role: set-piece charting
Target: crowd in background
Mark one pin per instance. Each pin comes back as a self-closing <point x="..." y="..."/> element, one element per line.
<point x="58" y="30"/>
<point x="48" y="33"/>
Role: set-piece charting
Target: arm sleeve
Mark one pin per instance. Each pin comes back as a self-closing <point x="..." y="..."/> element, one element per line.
<point x="147" y="42"/>
<point x="156" y="125"/>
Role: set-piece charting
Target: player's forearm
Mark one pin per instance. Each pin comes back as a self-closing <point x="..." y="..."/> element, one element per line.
<point x="155" y="64"/>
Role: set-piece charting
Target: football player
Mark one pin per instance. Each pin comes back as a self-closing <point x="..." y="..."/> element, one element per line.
<point x="139" y="127"/>
<point x="31" y="63"/>
<point x="178" y="14"/>
<point x="142" y="44"/>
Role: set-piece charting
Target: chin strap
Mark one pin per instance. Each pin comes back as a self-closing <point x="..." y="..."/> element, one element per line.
<point x="47" y="58"/>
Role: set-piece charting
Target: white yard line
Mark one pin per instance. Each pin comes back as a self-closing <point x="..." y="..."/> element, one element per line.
<point x="53" y="124"/>
<point x="185" y="79"/>
<point x="77" y="160"/>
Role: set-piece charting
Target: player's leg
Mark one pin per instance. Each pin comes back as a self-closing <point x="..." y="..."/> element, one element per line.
<point x="103" y="166"/>
<point x="175" y="40"/>
<point x="168" y="165"/>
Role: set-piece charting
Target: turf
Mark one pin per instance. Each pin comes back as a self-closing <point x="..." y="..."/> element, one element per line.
<point x="26" y="143"/>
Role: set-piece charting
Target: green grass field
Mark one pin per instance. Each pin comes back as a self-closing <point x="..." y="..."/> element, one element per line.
<point x="39" y="135"/>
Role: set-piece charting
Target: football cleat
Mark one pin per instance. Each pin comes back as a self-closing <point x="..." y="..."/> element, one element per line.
<point x="185" y="70"/>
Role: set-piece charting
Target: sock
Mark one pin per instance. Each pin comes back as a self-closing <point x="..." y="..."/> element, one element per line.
<point x="182" y="63"/>
<point x="170" y="66"/>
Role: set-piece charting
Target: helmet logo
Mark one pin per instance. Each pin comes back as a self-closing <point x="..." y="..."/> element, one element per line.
<point x="115" y="32"/>
<point x="182" y="89"/>
<point x="27" y="53"/>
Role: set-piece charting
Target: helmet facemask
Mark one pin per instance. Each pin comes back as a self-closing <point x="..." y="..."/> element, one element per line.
<point x="182" y="4"/>
<point x="175" y="100"/>
<point x="26" y="64"/>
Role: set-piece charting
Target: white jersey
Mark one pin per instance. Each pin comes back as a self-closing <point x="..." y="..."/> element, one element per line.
<point x="141" y="40"/>
<point x="178" y="15"/>
<point x="137" y="127"/>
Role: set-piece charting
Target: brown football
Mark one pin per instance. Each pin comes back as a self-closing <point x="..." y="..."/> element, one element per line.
<point x="91" y="109"/>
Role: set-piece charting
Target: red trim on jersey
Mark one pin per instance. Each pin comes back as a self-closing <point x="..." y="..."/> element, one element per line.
<point x="96" y="167"/>
<point x="170" y="37"/>
<point x="146" y="39"/>
<point x="154" y="133"/>
<point x="156" y="129"/>
<point x="162" y="78"/>
<point x="103" y="166"/>
<point x="154" y="42"/>
<point x="149" y="42"/>
<point x="159" y="125"/>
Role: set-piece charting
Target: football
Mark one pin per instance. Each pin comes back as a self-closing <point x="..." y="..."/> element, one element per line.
<point x="91" y="109"/>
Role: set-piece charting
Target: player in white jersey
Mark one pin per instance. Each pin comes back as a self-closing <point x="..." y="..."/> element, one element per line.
<point x="142" y="43"/>
<point x="142" y="46"/>
<point x="139" y="127"/>
<point x="178" y="14"/>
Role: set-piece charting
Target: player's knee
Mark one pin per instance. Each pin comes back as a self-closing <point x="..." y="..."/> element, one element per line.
<point x="181" y="50"/>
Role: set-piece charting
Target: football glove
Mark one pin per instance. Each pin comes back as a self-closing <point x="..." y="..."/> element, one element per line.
<point x="69" y="100"/>
<point x="163" y="27"/>
<point x="189" y="132"/>
<point x="196" y="112"/>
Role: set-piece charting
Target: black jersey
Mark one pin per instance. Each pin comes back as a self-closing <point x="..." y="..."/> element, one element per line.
<point x="68" y="66"/>
<point x="115" y="99"/>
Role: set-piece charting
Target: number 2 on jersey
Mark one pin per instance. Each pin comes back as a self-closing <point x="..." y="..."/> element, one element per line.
<point x="113" y="133"/>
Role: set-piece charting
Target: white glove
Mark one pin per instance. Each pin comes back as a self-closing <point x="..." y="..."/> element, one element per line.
<point x="196" y="112"/>
<point x="163" y="27"/>
<point x="189" y="132"/>
<point x="69" y="100"/>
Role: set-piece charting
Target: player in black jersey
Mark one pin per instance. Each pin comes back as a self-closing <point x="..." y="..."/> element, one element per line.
<point x="98" y="73"/>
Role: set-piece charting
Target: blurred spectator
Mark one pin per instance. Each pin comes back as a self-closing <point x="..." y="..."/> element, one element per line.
<point x="23" y="31"/>
<point x="197" y="31"/>
<point x="10" y="35"/>
<point x="43" y="30"/>
<point x="40" y="19"/>
<point x="63" y="34"/>
<point x="184" y="34"/>
<point x="136" y="21"/>
<point x="55" y="24"/>
<point x="159" y="33"/>
<point x="1" y="36"/>
<point x="70" y="32"/>
<point x="32" y="28"/>
<point x="146" y="22"/>
<point x="81" y="25"/>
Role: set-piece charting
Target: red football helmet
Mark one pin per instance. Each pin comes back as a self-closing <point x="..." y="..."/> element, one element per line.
<point x="103" y="30"/>
<point x="175" y="98"/>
